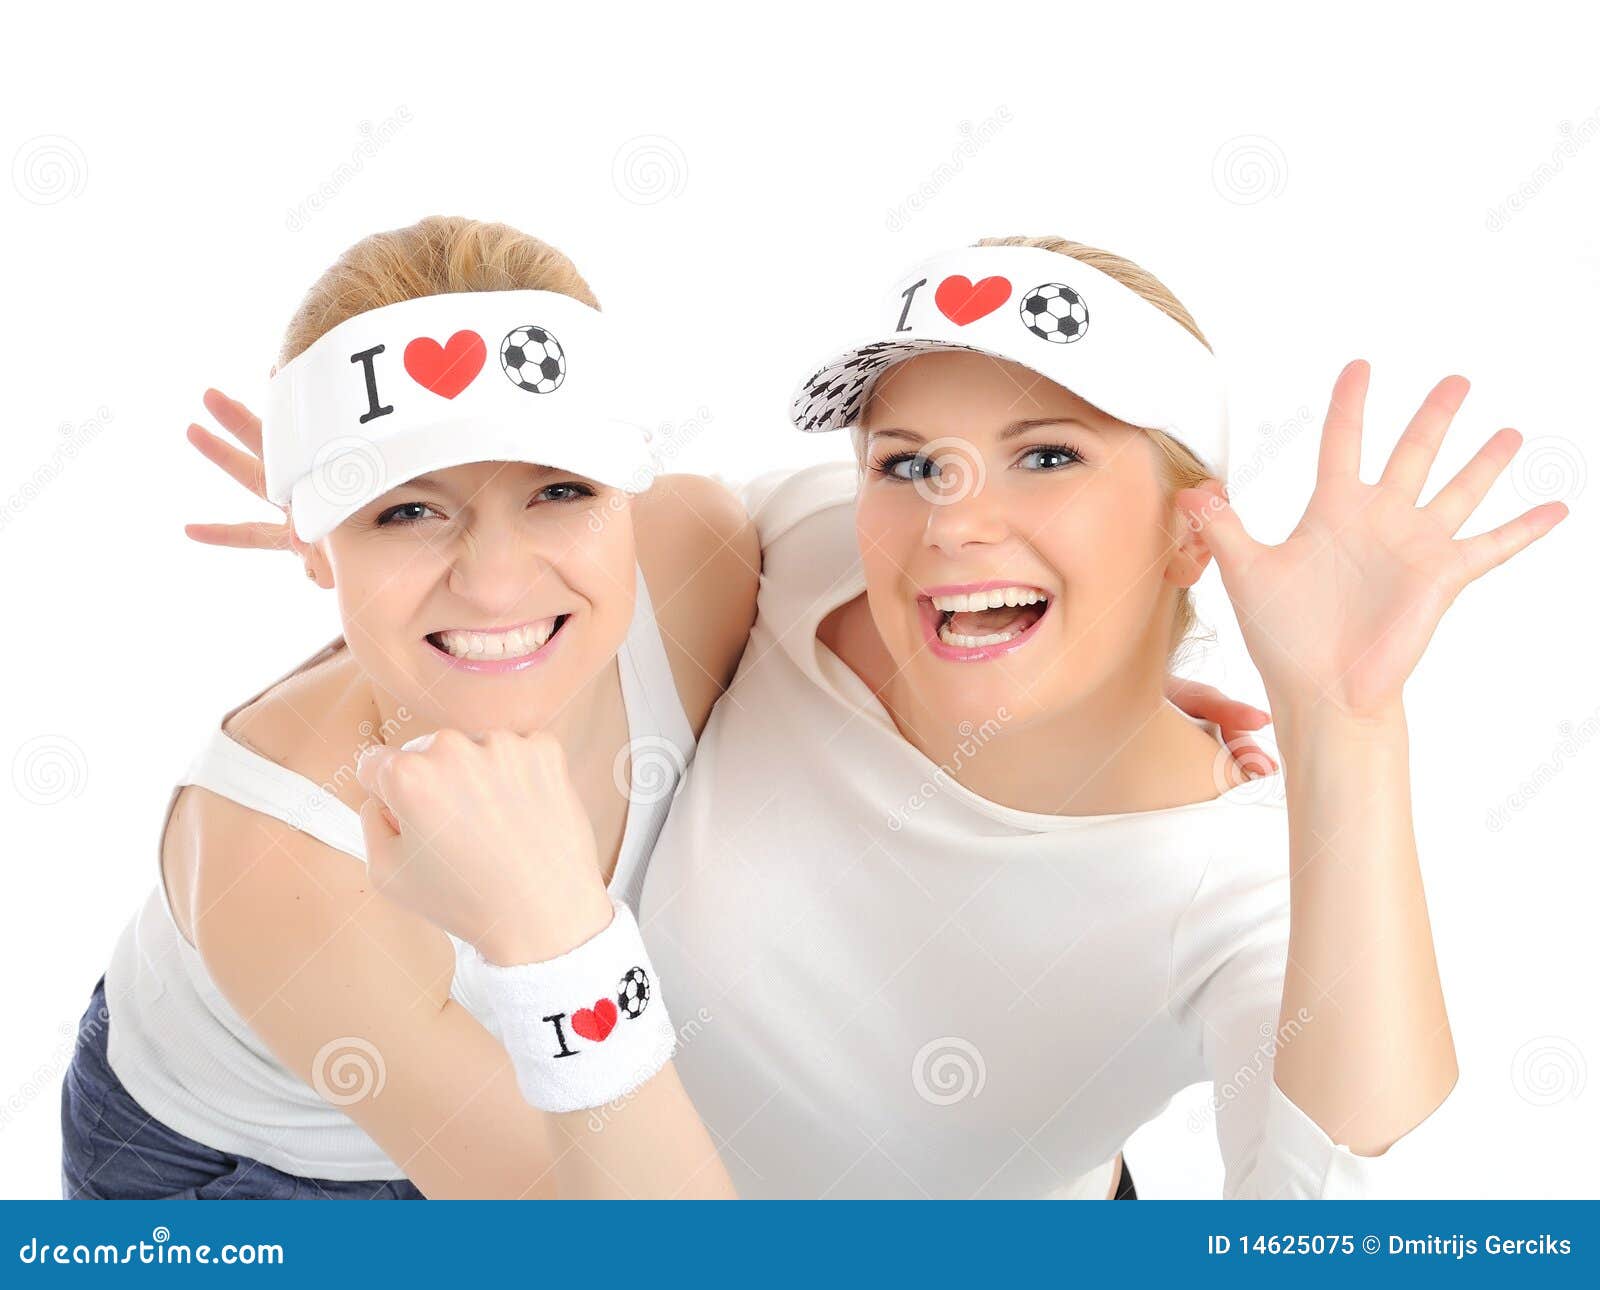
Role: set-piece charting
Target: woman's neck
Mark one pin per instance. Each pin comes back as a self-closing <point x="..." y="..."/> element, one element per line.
<point x="1121" y="747"/>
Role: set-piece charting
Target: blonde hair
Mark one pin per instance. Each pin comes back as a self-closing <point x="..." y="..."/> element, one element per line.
<point x="434" y="256"/>
<point x="1180" y="468"/>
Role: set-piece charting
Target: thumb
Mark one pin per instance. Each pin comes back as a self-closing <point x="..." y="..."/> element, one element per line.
<point x="382" y="836"/>
<point x="1206" y="511"/>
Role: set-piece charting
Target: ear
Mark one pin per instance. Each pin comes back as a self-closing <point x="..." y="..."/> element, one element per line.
<point x="1192" y="554"/>
<point x="316" y="563"/>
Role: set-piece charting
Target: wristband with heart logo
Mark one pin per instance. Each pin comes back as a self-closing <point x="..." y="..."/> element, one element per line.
<point x="586" y="1027"/>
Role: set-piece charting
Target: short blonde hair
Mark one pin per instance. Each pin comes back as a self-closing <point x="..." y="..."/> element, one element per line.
<point x="1180" y="468"/>
<point x="434" y="256"/>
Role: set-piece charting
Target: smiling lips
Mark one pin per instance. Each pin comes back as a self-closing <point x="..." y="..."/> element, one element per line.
<point x="504" y="650"/>
<point x="979" y="621"/>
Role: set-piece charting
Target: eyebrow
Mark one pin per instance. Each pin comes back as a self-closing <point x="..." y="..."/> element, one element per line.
<point x="1010" y="432"/>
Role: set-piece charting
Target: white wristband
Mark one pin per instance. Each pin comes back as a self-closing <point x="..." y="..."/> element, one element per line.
<point x="588" y="1026"/>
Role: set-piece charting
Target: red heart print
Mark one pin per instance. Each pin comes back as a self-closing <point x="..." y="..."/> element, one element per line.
<point x="449" y="368"/>
<point x="962" y="302"/>
<point x="595" y="1023"/>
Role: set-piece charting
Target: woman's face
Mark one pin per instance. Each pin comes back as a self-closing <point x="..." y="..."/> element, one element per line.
<point x="1019" y="546"/>
<point x="484" y="592"/>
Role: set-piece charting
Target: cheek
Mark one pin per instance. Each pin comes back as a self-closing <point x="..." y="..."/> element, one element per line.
<point x="1104" y="538"/>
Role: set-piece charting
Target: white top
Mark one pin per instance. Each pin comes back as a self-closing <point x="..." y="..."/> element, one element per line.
<point x="193" y="1063"/>
<point x="888" y="986"/>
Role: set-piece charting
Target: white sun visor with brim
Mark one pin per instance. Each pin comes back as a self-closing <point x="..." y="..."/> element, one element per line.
<point x="1065" y="320"/>
<point x="440" y="381"/>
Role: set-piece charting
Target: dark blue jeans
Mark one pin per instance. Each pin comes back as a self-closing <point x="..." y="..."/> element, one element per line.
<point x="112" y="1149"/>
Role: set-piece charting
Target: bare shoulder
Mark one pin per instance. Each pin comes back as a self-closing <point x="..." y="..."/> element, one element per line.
<point x="258" y="896"/>
<point x="702" y="562"/>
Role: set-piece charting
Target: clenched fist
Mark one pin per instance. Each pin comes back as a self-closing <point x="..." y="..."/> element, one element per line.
<point x="485" y="837"/>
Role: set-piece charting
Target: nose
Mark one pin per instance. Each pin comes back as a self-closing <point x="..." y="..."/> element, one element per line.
<point x="962" y="509"/>
<point x="494" y="564"/>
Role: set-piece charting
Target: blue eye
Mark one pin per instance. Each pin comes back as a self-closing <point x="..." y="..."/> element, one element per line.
<point x="1052" y="457"/>
<point x="916" y="466"/>
<point x="400" y="514"/>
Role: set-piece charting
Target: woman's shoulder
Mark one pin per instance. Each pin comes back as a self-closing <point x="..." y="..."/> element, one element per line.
<point x="701" y="561"/>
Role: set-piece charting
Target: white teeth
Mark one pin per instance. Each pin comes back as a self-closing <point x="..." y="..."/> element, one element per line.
<point x="994" y="598"/>
<point x="973" y="642"/>
<point x="496" y="645"/>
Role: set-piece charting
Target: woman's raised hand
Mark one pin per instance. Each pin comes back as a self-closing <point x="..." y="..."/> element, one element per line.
<point x="245" y="467"/>
<point x="1340" y="612"/>
<point x="485" y="837"/>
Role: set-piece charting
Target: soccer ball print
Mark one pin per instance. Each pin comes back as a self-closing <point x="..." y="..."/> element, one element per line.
<point x="633" y="992"/>
<point x="533" y="359"/>
<point x="1056" y="313"/>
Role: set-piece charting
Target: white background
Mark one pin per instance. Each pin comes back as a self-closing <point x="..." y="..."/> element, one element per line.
<point x="1421" y="190"/>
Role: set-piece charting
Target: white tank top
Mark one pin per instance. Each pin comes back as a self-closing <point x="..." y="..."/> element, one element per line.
<point x="193" y="1063"/>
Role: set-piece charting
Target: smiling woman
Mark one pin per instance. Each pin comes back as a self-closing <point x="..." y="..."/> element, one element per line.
<point x="485" y="518"/>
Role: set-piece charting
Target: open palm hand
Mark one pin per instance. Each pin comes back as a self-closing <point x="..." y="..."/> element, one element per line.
<point x="1340" y="612"/>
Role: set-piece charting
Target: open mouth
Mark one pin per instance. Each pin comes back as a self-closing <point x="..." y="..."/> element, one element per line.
<point x="985" y="621"/>
<point x="510" y="648"/>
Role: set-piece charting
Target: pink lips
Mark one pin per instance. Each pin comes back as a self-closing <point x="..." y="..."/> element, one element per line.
<point x="977" y="653"/>
<point x="494" y="665"/>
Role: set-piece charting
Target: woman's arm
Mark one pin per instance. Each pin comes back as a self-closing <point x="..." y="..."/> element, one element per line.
<point x="1336" y="618"/>
<point x="353" y="995"/>
<point x="485" y="836"/>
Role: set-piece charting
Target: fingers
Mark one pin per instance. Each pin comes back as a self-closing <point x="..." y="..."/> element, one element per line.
<point x="239" y="465"/>
<point x="1207" y="512"/>
<point x="1460" y="497"/>
<point x="1489" y="550"/>
<point x="1414" y="454"/>
<point x="235" y="418"/>
<point x="253" y="536"/>
<point x="1340" y="453"/>
<point x="1208" y="703"/>
<point x="1250" y="757"/>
